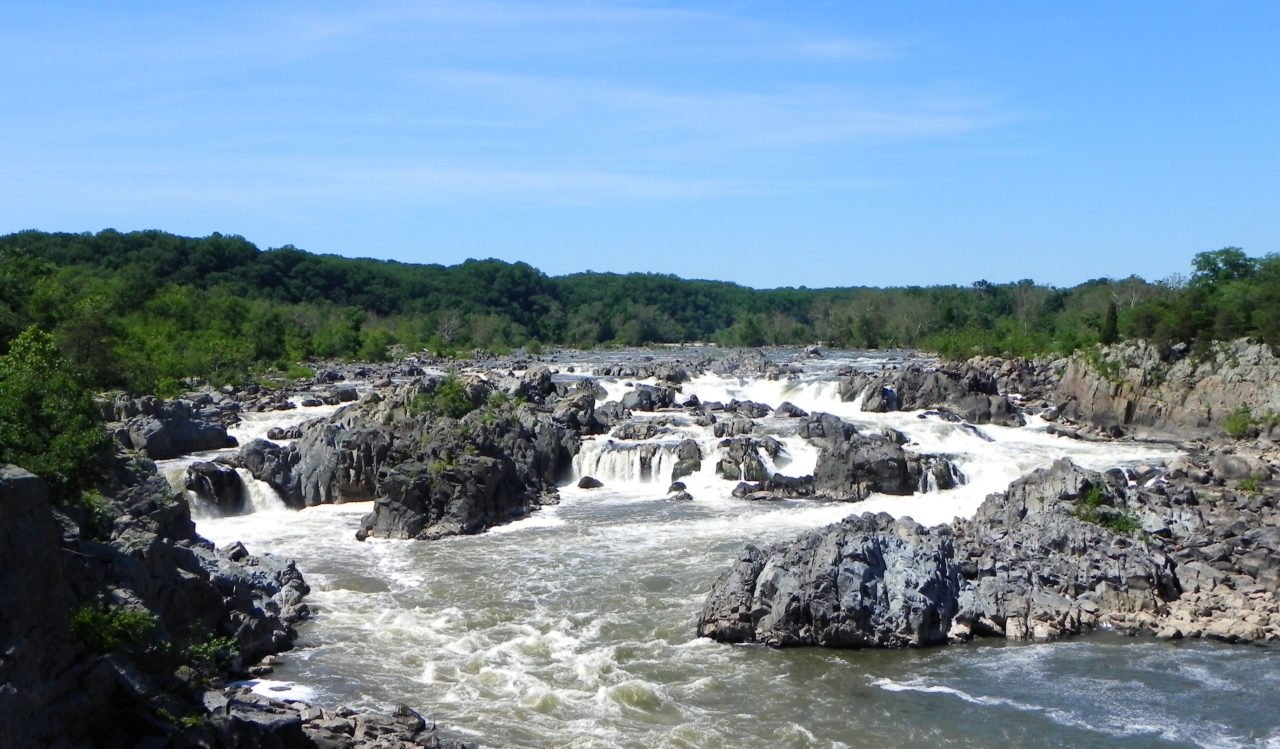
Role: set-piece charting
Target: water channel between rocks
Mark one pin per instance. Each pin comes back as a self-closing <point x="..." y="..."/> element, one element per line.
<point x="575" y="627"/>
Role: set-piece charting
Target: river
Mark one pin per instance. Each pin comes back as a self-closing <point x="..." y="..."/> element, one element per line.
<point x="575" y="627"/>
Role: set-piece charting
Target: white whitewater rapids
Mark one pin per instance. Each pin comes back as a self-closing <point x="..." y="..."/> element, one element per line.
<point x="575" y="627"/>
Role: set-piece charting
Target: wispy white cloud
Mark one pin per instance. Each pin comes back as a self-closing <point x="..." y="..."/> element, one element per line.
<point x="787" y="115"/>
<point x="555" y="102"/>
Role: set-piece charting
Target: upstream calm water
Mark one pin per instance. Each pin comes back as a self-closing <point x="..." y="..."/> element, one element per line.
<point x="574" y="628"/>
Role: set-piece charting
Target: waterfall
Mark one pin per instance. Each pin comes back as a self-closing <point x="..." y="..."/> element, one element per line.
<point x="258" y="495"/>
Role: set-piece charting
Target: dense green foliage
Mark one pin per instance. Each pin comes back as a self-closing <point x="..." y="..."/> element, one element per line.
<point x="103" y="628"/>
<point x="1227" y="296"/>
<point x="49" y="423"/>
<point x="448" y="399"/>
<point x="144" y="310"/>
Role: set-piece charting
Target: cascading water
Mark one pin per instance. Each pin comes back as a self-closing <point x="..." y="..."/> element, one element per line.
<point x="575" y="628"/>
<point x="258" y="495"/>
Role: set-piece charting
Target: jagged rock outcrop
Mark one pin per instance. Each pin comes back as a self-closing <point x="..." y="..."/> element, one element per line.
<point x="39" y="672"/>
<point x="866" y="464"/>
<point x="868" y="582"/>
<point x="735" y="426"/>
<point x="648" y="398"/>
<point x="166" y="429"/>
<point x="217" y="486"/>
<point x="742" y="461"/>
<point x="776" y="486"/>
<point x="852" y="465"/>
<point x="1132" y="385"/>
<point x="257" y="721"/>
<point x="429" y="475"/>
<point x="422" y="501"/>
<point x="788" y="410"/>
<point x="968" y="391"/>
<point x="643" y="429"/>
<point x="670" y="372"/>
<point x="69" y="677"/>
<point x="576" y="411"/>
<point x="1040" y="561"/>
<point x="688" y="459"/>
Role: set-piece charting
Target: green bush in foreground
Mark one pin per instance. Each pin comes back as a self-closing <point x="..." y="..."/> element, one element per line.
<point x="49" y="423"/>
<point x="104" y="628"/>
<point x="1239" y="423"/>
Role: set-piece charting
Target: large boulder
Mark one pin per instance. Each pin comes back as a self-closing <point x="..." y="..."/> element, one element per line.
<point x="648" y="398"/>
<point x="852" y="465"/>
<point x="329" y="464"/>
<point x="741" y="460"/>
<point x="688" y="459"/>
<point x="218" y="487"/>
<point x="168" y="429"/>
<point x="869" y="581"/>
<point x="420" y="501"/>
<point x="1029" y="565"/>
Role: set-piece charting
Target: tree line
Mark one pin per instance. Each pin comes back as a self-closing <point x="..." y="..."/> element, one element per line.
<point x="143" y="310"/>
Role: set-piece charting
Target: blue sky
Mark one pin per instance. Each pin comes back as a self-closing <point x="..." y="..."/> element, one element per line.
<point x="770" y="144"/>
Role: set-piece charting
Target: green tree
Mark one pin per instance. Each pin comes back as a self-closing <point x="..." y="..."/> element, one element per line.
<point x="1226" y="264"/>
<point x="49" y="423"/>
<point x="1110" y="325"/>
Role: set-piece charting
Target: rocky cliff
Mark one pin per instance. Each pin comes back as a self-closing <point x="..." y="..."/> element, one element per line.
<point x="116" y="614"/>
<point x="120" y="627"/>
<point x="1135" y="386"/>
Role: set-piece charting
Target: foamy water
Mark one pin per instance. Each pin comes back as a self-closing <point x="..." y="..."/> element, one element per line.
<point x="575" y="627"/>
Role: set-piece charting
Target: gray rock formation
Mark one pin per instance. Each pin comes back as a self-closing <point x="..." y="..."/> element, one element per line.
<point x="867" y="582"/>
<point x="64" y="571"/>
<point x="217" y="486"/>
<point x="1131" y="385"/>
<point x="688" y="459"/>
<point x="1039" y="561"/>
<point x="430" y="476"/>
<point x="852" y="465"/>
<point x="39" y="674"/>
<point x="167" y="429"/>
<point x="968" y="391"/>
<point x="648" y="398"/>
<point x="742" y="461"/>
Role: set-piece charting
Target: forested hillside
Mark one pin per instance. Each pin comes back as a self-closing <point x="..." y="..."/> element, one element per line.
<point x="144" y="309"/>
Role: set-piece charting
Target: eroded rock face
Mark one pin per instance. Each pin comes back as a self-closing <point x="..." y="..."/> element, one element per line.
<point x="1025" y="567"/>
<point x="38" y="671"/>
<point x="430" y="475"/>
<point x="218" y="486"/>
<point x="1131" y="385"/>
<point x="648" y="398"/>
<point x="429" y="501"/>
